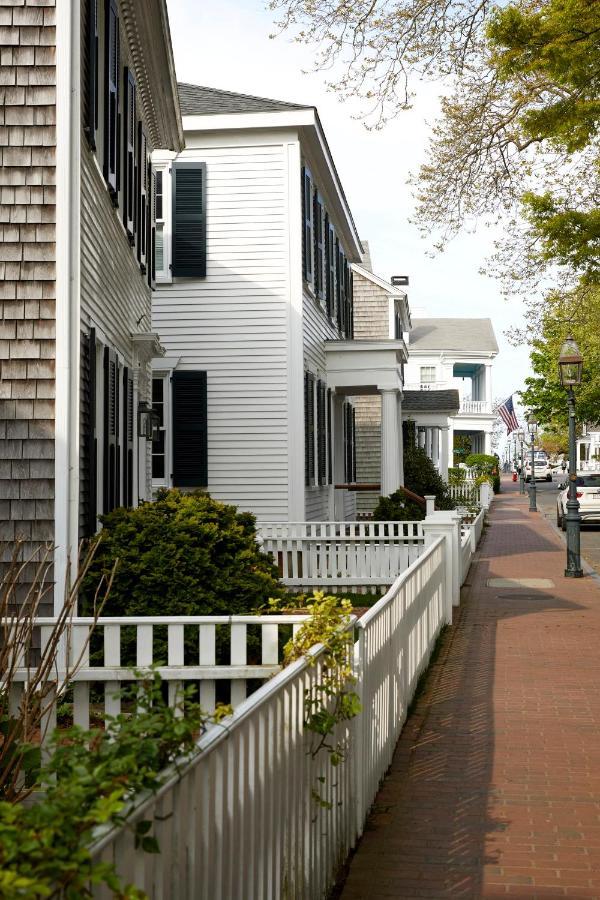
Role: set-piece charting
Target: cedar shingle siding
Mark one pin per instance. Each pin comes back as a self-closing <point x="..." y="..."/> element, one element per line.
<point x="371" y="321"/>
<point x="27" y="270"/>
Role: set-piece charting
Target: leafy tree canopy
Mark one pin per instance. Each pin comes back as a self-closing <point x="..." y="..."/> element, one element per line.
<point x="579" y="313"/>
<point x="517" y="137"/>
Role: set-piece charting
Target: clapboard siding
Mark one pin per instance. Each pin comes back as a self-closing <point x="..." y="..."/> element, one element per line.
<point x="318" y="328"/>
<point x="233" y="324"/>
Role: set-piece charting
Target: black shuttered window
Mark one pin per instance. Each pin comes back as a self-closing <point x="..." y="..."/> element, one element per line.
<point x="190" y="433"/>
<point x="111" y="104"/>
<point x="189" y="220"/>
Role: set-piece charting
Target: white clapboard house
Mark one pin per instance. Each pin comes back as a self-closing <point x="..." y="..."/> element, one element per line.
<point x="92" y="93"/>
<point x="254" y="306"/>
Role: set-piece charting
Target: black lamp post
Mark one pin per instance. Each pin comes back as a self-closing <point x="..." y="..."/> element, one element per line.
<point x="521" y="438"/>
<point x="532" y="428"/>
<point x="570" y="367"/>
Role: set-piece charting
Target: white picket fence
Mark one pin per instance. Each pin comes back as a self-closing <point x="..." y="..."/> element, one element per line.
<point x="466" y="493"/>
<point x="352" y="556"/>
<point x="184" y="636"/>
<point x="240" y="819"/>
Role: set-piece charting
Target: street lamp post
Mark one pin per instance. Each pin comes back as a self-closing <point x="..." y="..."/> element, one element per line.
<point x="532" y="427"/>
<point x="570" y="366"/>
<point x="521" y="437"/>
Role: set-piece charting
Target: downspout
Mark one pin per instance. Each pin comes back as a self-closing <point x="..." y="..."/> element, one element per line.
<point x="66" y="437"/>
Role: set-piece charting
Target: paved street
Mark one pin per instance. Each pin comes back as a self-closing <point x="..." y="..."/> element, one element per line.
<point x="494" y="790"/>
<point x="590" y="534"/>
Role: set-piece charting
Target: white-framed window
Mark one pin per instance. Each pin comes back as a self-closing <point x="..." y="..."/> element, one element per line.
<point x="162" y="244"/>
<point x="161" y="465"/>
<point x="427" y="374"/>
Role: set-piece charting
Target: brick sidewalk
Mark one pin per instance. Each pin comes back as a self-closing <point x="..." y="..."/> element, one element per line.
<point x="494" y="789"/>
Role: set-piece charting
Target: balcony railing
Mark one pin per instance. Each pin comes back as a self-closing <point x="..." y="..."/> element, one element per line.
<point x="470" y="407"/>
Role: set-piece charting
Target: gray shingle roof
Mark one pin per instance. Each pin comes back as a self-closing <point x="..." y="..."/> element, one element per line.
<point x="204" y="101"/>
<point x="431" y="401"/>
<point x="453" y="334"/>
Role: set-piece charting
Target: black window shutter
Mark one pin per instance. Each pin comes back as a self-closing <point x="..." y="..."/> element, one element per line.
<point x="91" y="72"/>
<point x="351" y="304"/>
<point x="127" y="443"/>
<point x="307" y="201"/>
<point x="322" y="432"/>
<point x="129" y="166"/>
<point x="349" y="455"/>
<point x="143" y="188"/>
<point x="318" y="244"/>
<point x="338" y="285"/>
<point x="329" y="269"/>
<point x="188" y="247"/>
<point x="88" y="435"/>
<point x="304" y="253"/>
<point x="111" y="462"/>
<point x="309" y="429"/>
<point x="190" y="430"/>
<point x="111" y="105"/>
<point x="353" y="445"/>
<point x="330" y="436"/>
<point x="151" y="238"/>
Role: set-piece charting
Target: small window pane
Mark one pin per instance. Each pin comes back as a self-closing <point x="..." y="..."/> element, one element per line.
<point x="159" y="195"/>
<point x="427" y="374"/>
<point x="159" y="248"/>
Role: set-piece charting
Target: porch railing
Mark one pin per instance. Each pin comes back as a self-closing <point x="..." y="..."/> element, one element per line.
<point x="475" y="407"/>
<point x="351" y="556"/>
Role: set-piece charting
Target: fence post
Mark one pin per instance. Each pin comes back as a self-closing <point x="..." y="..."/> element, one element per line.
<point x="429" y="504"/>
<point x="484" y="494"/>
<point x="446" y="524"/>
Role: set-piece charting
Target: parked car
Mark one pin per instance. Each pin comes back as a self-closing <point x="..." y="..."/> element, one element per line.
<point x="543" y="472"/>
<point x="588" y="494"/>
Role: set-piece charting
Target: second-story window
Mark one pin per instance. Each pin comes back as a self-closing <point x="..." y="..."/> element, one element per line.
<point x="111" y="105"/>
<point x="427" y="374"/>
<point x="318" y="246"/>
<point x="307" y="225"/>
<point x="160" y="256"/>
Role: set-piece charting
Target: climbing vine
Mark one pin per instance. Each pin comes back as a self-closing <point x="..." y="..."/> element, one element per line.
<point x="331" y="700"/>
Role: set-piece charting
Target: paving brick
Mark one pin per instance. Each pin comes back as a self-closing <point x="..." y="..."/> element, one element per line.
<point x="494" y="789"/>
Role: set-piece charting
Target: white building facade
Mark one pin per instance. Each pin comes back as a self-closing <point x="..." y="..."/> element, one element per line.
<point x="255" y="242"/>
<point x="457" y="354"/>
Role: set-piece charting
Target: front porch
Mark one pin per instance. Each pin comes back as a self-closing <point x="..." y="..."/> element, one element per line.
<point x="364" y="368"/>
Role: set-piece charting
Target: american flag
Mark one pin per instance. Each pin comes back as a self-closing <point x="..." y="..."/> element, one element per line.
<point x="508" y="415"/>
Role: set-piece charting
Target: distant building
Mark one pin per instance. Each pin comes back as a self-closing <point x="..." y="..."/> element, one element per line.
<point x="456" y="353"/>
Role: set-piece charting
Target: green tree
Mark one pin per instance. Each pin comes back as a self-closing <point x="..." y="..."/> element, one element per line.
<point x="577" y="312"/>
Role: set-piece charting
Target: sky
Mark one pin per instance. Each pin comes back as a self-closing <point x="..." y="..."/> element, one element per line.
<point x="226" y="45"/>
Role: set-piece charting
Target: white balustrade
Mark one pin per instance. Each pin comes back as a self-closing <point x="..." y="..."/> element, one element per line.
<point x="350" y="556"/>
<point x="475" y="407"/>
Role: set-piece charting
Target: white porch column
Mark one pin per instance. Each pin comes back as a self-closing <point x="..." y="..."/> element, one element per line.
<point x="400" y="435"/>
<point x="487" y="443"/>
<point x="436" y="447"/>
<point x="444" y="451"/>
<point x="488" y="385"/>
<point x="390" y="451"/>
<point x="451" y="443"/>
<point x="429" y="442"/>
<point x="338" y="456"/>
<point x="421" y="437"/>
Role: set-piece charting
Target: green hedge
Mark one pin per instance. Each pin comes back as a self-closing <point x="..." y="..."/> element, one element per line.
<point x="184" y="554"/>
